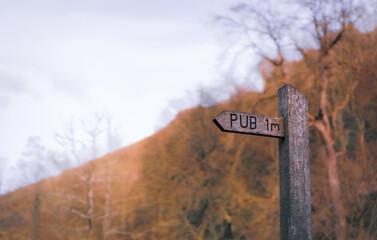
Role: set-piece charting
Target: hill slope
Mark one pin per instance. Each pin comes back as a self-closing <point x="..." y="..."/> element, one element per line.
<point x="191" y="181"/>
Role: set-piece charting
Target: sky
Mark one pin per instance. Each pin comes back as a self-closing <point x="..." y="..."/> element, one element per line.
<point x="63" y="60"/>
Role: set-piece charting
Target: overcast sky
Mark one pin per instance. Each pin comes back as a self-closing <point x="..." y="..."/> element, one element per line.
<point x="63" y="59"/>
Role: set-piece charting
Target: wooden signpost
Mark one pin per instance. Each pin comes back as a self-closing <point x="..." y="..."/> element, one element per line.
<point x="291" y="127"/>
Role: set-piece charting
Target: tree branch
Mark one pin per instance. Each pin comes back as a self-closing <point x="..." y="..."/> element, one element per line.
<point x="78" y="213"/>
<point x="341" y="107"/>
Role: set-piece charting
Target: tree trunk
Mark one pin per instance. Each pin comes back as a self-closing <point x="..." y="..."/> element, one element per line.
<point x="323" y="125"/>
<point x="35" y="213"/>
<point x="333" y="177"/>
<point x="90" y="202"/>
<point x="105" y="223"/>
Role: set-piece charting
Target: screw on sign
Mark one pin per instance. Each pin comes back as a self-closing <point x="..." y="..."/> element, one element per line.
<point x="291" y="127"/>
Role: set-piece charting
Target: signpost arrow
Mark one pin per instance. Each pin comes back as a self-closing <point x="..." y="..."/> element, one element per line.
<point x="250" y="123"/>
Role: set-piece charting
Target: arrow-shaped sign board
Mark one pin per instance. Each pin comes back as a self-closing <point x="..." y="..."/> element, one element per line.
<point x="250" y="123"/>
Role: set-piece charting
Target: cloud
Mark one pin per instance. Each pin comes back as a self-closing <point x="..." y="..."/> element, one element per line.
<point x="68" y="87"/>
<point x="11" y="84"/>
<point x="16" y="80"/>
<point x="4" y="101"/>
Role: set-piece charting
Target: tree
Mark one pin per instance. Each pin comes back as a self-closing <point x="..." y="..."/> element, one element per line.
<point x="95" y="137"/>
<point x="273" y="30"/>
<point x="35" y="151"/>
<point x="34" y="165"/>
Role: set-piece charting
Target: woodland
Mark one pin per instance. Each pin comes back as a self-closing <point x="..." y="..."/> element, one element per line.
<point x="192" y="181"/>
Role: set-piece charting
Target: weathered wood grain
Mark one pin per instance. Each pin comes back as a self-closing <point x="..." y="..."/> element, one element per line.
<point x="294" y="166"/>
<point x="250" y="123"/>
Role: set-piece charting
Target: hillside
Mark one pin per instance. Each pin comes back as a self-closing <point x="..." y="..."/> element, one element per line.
<point x="191" y="181"/>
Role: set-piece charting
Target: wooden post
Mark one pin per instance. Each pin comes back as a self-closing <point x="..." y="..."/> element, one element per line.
<point x="291" y="127"/>
<point x="294" y="166"/>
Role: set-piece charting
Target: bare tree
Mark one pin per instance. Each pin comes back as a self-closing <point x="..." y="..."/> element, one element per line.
<point x="33" y="164"/>
<point x="36" y="150"/>
<point x="95" y="137"/>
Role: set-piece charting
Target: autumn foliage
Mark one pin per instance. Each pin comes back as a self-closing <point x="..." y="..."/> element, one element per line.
<point x="191" y="181"/>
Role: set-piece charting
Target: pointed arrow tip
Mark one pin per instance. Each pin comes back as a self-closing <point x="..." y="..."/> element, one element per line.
<point x="217" y="123"/>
